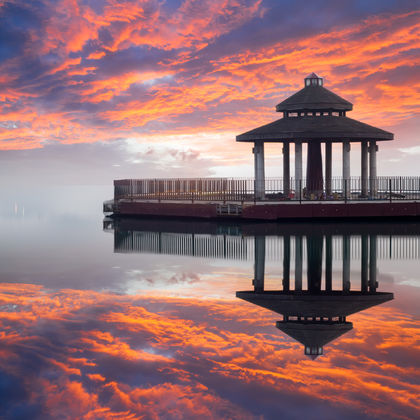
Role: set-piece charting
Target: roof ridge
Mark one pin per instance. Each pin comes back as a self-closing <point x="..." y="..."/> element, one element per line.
<point x="314" y="98"/>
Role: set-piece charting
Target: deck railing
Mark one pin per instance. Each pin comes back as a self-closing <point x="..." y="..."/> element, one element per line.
<point x="242" y="189"/>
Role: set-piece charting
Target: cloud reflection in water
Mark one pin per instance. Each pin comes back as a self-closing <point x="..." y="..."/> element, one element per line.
<point x="85" y="354"/>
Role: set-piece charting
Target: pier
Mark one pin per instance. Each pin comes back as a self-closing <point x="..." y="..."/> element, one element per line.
<point x="236" y="198"/>
<point x="314" y="119"/>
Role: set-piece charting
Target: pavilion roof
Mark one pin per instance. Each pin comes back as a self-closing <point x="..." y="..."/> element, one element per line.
<point x="325" y="304"/>
<point x="325" y="128"/>
<point x="314" y="334"/>
<point x="314" y="98"/>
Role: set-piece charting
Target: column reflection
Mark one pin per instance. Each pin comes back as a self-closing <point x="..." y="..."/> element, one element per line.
<point x="317" y="316"/>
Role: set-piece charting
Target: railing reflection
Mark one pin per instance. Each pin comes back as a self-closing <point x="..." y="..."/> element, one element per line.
<point x="208" y="240"/>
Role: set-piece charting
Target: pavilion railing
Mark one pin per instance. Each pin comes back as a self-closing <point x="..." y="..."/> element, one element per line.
<point x="242" y="189"/>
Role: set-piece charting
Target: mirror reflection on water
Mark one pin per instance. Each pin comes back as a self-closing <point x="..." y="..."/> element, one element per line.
<point x="131" y="318"/>
<point x="313" y="311"/>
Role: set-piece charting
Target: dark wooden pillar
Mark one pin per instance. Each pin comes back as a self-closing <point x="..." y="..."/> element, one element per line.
<point x="346" y="263"/>
<point x="259" y="263"/>
<point x="328" y="262"/>
<point x="298" y="262"/>
<point x="328" y="168"/>
<point x="286" y="169"/>
<point x="314" y="244"/>
<point x="286" y="263"/>
<point x="314" y="181"/>
<point x="372" y="264"/>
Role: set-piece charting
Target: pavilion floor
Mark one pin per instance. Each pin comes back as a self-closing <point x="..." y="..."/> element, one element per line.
<point x="267" y="209"/>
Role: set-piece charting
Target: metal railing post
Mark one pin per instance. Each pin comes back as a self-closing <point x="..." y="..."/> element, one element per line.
<point x="390" y="190"/>
<point x="300" y="191"/>
<point x="345" y="191"/>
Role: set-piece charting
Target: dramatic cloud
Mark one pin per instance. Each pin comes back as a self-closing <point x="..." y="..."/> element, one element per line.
<point x="87" y="71"/>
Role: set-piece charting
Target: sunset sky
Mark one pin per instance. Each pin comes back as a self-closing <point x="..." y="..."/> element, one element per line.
<point x="92" y="90"/>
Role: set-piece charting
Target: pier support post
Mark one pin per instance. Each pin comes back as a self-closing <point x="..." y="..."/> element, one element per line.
<point x="286" y="169"/>
<point x="259" y="186"/>
<point x="373" y="148"/>
<point x="259" y="263"/>
<point x="364" y="166"/>
<point x="298" y="262"/>
<point x="328" y="169"/>
<point x="346" y="168"/>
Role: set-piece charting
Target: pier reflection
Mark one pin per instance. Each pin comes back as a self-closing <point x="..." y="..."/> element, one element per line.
<point x="236" y="241"/>
<point x="329" y="271"/>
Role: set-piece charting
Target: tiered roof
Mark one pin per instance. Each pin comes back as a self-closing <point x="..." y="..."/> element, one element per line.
<point x="315" y="114"/>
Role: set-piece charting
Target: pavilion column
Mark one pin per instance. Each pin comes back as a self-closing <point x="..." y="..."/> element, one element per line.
<point x="328" y="263"/>
<point x="286" y="169"/>
<point x="365" y="262"/>
<point x="346" y="263"/>
<point x="259" y="263"/>
<point x="364" y="166"/>
<point x="373" y="188"/>
<point x="298" y="168"/>
<point x="314" y="181"/>
<point x="328" y="168"/>
<point x="346" y="168"/>
<point x="314" y="246"/>
<point x="372" y="264"/>
<point x="259" y="186"/>
<point x="298" y="262"/>
<point x="286" y="263"/>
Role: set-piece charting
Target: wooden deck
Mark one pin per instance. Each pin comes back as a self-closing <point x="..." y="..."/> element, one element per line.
<point x="264" y="210"/>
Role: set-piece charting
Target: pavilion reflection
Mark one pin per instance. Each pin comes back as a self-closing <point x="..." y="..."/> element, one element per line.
<point x="315" y="316"/>
<point x="226" y="240"/>
<point x="314" y="298"/>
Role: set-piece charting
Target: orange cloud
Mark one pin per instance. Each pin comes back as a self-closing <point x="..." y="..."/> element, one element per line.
<point x="370" y="63"/>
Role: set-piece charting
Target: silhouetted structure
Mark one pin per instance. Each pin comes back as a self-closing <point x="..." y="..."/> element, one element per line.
<point x="315" y="115"/>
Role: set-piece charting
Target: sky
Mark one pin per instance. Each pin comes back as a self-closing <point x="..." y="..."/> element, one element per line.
<point x="93" y="90"/>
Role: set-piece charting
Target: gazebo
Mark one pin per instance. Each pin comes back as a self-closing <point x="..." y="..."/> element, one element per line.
<point x="315" y="115"/>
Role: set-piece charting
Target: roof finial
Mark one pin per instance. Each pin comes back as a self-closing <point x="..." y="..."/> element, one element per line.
<point x="313" y="80"/>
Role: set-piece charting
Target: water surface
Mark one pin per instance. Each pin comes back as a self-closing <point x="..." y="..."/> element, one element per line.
<point x="149" y="319"/>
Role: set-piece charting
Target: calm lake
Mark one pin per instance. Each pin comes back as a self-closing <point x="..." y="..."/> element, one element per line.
<point x="129" y="319"/>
